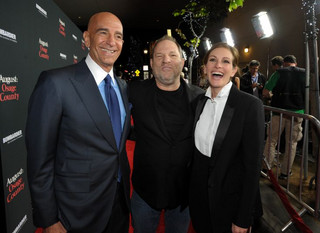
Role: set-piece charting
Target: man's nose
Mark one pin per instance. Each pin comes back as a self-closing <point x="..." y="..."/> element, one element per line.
<point x="166" y="58"/>
<point x="110" y="39"/>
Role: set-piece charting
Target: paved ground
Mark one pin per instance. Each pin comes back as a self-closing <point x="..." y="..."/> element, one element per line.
<point x="275" y="215"/>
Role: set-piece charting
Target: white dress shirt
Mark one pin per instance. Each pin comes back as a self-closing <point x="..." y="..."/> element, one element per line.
<point x="209" y="120"/>
<point x="254" y="79"/>
<point x="99" y="75"/>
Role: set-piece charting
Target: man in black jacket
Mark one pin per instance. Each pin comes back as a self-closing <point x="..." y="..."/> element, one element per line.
<point x="253" y="81"/>
<point x="163" y="113"/>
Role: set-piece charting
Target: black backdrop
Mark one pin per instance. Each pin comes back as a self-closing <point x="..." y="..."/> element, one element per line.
<point x="35" y="35"/>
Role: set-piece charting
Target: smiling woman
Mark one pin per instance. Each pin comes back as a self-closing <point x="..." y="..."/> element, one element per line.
<point x="229" y="136"/>
<point x="220" y="65"/>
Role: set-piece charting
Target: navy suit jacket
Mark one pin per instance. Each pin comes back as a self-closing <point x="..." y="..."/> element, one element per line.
<point x="72" y="157"/>
<point x="224" y="188"/>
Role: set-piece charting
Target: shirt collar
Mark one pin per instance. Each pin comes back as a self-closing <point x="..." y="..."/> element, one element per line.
<point x="98" y="73"/>
<point x="223" y="93"/>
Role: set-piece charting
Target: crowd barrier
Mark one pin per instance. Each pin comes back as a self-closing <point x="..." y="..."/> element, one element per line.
<point x="311" y="206"/>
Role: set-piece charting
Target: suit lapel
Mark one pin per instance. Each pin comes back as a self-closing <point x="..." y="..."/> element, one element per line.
<point x="89" y="93"/>
<point x="224" y="124"/>
<point x="199" y="109"/>
<point x="222" y="129"/>
<point x="126" y="125"/>
<point x="190" y="115"/>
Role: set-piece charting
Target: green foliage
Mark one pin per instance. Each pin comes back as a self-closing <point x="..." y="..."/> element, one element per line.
<point x="194" y="42"/>
<point x="234" y="4"/>
<point x="196" y="14"/>
<point x="194" y="8"/>
<point x="182" y="35"/>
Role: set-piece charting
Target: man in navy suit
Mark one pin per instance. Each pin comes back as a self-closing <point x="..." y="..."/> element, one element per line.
<point x="78" y="170"/>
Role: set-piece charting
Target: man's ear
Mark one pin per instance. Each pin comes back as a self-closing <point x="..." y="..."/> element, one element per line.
<point x="151" y="62"/>
<point x="86" y="38"/>
<point x="182" y="62"/>
<point x="235" y="69"/>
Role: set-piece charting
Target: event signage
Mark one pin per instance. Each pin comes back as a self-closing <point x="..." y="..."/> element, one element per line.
<point x="35" y="35"/>
<point x="43" y="49"/>
<point x="8" y="35"/>
<point x="8" y="89"/>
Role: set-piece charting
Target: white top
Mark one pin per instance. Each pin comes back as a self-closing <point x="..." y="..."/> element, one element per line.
<point x="209" y="120"/>
<point x="98" y="73"/>
<point x="254" y="79"/>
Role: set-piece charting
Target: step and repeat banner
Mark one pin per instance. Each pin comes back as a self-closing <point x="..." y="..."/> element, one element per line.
<point x="35" y="35"/>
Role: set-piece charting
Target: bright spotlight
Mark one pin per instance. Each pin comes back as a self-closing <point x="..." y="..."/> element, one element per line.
<point x="262" y="25"/>
<point x="207" y="43"/>
<point x="145" y="68"/>
<point x="226" y="36"/>
<point x="184" y="55"/>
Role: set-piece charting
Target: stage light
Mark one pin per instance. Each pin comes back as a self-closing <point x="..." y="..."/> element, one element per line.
<point x="246" y="49"/>
<point x="226" y="36"/>
<point x="145" y="51"/>
<point x="207" y="43"/>
<point x="262" y="25"/>
<point x="145" y="68"/>
<point x="184" y="55"/>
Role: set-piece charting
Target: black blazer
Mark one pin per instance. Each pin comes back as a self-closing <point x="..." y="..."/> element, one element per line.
<point x="224" y="188"/>
<point x="160" y="166"/>
<point x="72" y="157"/>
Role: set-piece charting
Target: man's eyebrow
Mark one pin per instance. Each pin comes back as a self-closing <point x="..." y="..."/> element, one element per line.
<point x="102" y="29"/>
<point x="107" y="30"/>
<point x="119" y="33"/>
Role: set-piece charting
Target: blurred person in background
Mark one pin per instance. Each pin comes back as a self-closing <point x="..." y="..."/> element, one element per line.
<point x="253" y="81"/>
<point x="286" y="88"/>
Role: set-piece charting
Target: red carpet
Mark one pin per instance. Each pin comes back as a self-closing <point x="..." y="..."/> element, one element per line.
<point x="295" y="217"/>
<point x="130" y="149"/>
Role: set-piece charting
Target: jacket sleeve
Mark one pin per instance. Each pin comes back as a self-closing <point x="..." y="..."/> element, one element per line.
<point x="245" y="84"/>
<point x="252" y="146"/>
<point x="42" y="130"/>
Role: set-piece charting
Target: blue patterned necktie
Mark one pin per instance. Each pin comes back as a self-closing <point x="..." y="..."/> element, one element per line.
<point x="114" y="109"/>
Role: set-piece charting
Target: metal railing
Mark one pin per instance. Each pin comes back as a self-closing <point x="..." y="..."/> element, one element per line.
<point x="314" y="125"/>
